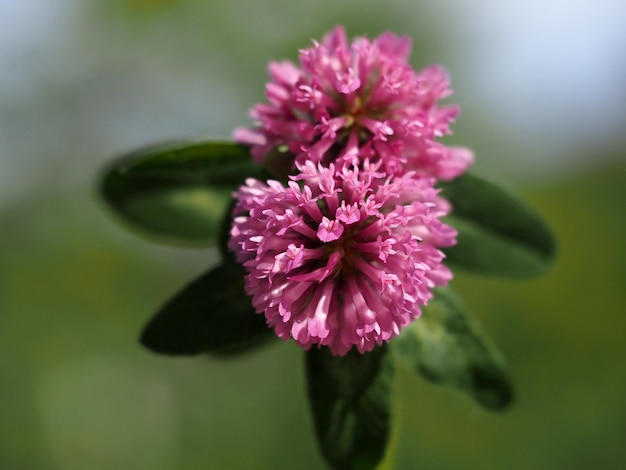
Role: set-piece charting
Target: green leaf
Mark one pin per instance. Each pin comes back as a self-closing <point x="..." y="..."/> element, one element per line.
<point x="224" y="232"/>
<point x="446" y="348"/>
<point x="212" y="314"/>
<point x="499" y="235"/>
<point x="350" y="398"/>
<point x="177" y="192"/>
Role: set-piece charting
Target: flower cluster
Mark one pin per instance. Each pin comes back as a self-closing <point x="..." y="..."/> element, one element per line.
<point x="348" y="102"/>
<point x="347" y="251"/>
<point x="334" y="256"/>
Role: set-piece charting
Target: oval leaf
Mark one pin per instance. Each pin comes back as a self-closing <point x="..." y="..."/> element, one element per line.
<point x="178" y="192"/>
<point x="447" y="349"/>
<point x="499" y="235"/>
<point x="350" y="400"/>
<point x="212" y="314"/>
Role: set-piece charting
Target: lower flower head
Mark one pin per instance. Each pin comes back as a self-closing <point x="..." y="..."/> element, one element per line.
<point x="347" y="102"/>
<point x="341" y="258"/>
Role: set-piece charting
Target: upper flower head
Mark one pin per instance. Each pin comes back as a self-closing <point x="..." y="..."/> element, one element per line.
<point x="351" y="102"/>
<point x="341" y="258"/>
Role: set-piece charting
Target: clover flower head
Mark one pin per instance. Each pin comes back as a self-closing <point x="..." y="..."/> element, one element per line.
<point x="341" y="257"/>
<point x="347" y="102"/>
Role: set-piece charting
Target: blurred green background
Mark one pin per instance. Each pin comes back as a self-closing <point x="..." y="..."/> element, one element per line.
<point x="542" y="89"/>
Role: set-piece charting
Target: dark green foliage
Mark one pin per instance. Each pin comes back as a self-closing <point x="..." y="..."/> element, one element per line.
<point x="350" y="399"/>
<point x="499" y="235"/>
<point x="178" y="192"/>
<point x="212" y="314"/>
<point x="446" y="348"/>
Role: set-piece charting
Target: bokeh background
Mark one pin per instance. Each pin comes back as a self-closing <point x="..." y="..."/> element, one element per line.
<point x="542" y="86"/>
